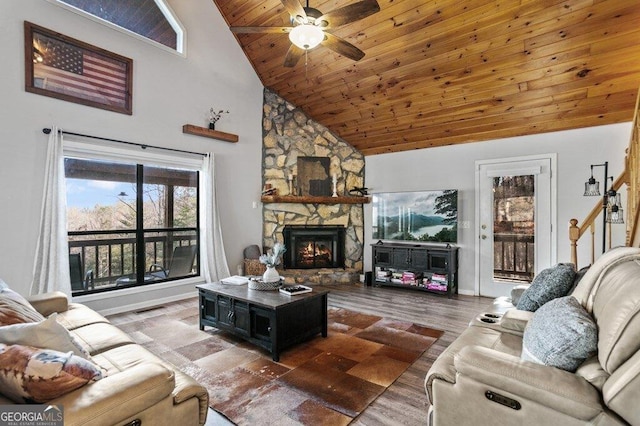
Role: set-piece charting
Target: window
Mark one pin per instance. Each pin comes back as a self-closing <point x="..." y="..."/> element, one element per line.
<point x="514" y="227"/>
<point x="130" y="221"/>
<point x="151" y="19"/>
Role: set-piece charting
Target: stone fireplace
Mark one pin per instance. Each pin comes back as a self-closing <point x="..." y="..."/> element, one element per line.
<point x="314" y="246"/>
<point x="288" y="134"/>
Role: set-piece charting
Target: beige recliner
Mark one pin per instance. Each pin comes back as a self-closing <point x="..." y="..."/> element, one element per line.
<point x="480" y="378"/>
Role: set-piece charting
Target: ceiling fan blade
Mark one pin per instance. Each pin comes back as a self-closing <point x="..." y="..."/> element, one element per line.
<point x="293" y="56"/>
<point x="349" y="13"/>
<point x="294" y="8"/>
<point x="342" y="47"/>
<point x="257" y="30"/>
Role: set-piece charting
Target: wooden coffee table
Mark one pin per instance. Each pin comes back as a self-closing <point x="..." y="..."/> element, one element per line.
<point x="269" y="319"/>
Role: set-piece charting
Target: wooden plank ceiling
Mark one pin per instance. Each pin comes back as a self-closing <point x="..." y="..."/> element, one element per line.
<point x="444" y="72"/>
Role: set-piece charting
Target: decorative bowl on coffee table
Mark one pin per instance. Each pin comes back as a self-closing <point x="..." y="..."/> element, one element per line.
<point x="256" y="283"/>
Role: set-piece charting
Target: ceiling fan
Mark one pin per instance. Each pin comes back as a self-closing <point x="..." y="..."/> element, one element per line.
<point x="310" y="27"/>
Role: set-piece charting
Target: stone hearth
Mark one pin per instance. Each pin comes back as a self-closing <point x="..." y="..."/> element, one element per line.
<point x="320" y="276"/>
<point x="288" y="134"/>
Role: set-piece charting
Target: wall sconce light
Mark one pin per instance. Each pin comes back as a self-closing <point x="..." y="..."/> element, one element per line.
<point x="616" y="214"/>
<point x="611" y="206"/>
<point x="592" y="186"/>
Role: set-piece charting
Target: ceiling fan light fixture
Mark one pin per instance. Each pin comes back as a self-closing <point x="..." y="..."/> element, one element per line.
<point x="306" y="36"/>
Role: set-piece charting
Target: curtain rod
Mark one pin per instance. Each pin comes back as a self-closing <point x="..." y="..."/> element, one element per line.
<point x="47" y="130"/>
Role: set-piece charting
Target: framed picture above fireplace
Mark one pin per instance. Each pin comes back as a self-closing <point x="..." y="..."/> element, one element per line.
<point x="420" y="216"/>
<point x="313" y="176"/>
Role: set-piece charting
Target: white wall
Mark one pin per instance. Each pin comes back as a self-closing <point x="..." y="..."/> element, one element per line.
<point x="169" y="90"/>
<point x="454" y="167"/>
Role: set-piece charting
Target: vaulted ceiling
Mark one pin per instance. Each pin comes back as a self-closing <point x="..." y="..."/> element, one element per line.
<point x="444" y="72"/>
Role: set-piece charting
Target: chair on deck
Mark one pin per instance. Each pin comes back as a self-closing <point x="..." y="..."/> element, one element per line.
<point x="79" y="280"/>
<point x="180" y="265"/>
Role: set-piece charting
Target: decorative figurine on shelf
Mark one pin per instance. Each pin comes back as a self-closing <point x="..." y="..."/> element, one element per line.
<point x="335" y="185"/>
<point x="359" y="191"/>
<point x="214" y="117"/>
<point x="272" y="259"/>
<point x="269" y="190"/>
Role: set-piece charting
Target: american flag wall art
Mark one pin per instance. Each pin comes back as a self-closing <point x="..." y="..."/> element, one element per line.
<point x="71" y="71"/>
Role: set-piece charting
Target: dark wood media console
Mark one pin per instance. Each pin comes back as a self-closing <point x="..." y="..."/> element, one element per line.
<point x="423" y="267"/>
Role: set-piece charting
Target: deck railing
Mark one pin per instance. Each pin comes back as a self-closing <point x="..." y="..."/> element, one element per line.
<point x="111" y="254"/>
<point x="514" y="257"/>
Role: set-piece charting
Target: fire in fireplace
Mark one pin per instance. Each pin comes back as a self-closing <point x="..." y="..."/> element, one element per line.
<point x="314" y="246"/>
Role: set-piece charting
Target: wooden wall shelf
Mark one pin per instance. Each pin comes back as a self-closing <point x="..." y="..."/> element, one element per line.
<point x="310" y="199"/>
<point x="208" y="133"/>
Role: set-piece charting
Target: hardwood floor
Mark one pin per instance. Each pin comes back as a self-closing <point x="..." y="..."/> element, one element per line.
<point x="404" y="402"/>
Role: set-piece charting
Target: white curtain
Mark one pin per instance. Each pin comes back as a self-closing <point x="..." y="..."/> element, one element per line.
<point x="212" y="256"/>
<point x="51" y="266"/>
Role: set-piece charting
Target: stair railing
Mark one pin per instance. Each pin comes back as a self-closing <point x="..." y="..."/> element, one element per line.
<point x="629" y="177"/>
<point x="633" y="187"/>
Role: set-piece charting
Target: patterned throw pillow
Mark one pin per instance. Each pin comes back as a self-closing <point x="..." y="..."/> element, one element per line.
<point x="44" y="334"/>
<point x="15" y="309"/>
<point x="549" y="284"/>
<point x="560" y="334"/>
<point x="33" y="375"/>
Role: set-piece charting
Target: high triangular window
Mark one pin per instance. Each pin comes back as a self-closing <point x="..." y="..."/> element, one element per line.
<point x="151" y="19"/>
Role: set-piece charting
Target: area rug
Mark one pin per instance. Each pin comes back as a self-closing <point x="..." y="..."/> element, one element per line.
<point x="323" y="381"/>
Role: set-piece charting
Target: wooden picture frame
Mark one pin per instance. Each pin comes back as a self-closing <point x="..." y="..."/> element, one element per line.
<point x="313" y="176"/>
<point x="65" y="68"/>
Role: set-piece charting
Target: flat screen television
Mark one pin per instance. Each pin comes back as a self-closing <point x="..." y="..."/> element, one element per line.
<point x="421" y="216"/>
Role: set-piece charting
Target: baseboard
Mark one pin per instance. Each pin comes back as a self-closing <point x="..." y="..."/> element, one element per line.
<point x="147" y="304"/>
<point x="140" y="297"/>
<point x="466" y="292"/>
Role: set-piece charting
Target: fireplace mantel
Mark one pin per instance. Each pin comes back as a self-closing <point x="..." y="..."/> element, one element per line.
<point x="310" y="199"/>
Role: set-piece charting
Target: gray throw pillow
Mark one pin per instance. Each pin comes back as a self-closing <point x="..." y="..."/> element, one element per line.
<point x="549" y="284"/>
<point x="577" y="278"/>
<point x="560" y="334"/>
<point x="252" y="252"/>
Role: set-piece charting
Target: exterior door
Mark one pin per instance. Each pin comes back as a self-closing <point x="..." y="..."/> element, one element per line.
<point x="515" y="215"/>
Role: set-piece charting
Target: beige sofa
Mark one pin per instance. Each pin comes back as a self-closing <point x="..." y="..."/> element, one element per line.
<point x="138" y="389"/>
<point x="481" y="379"/>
